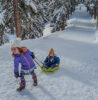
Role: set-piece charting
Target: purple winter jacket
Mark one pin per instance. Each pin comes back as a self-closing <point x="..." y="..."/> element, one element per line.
<point x="25" y="60"/>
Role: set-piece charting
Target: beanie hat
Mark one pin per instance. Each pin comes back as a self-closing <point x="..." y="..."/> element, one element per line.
<point x="16" y="43"/>
<point x="51" y="51"/>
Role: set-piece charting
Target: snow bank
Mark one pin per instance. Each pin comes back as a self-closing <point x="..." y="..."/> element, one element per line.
<point x="97" y="35"/>
<point x="47" y="30"/>
<point x="11" y="37"/>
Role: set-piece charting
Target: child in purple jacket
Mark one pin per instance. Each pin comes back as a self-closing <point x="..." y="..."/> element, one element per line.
<point x="23" y="56"/>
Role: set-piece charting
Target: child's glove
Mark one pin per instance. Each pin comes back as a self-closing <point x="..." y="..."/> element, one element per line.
<point x="16" y="75"/>
<point x="43" y="63"/>
<point x="57" y="65"/>
<point x="33" y="56"/>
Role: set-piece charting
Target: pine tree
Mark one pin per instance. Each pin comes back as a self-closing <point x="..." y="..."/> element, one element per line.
<point x="3" y="36"/>
<point x="59" y="13"/>
<point x="16" y="18"/>
<point x="34" y="14"/>
<point x="32" y="19"/>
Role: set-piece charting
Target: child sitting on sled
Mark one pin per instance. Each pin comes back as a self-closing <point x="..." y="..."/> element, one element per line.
<point x="25" y="57"/>
<point x="51" y="60"/>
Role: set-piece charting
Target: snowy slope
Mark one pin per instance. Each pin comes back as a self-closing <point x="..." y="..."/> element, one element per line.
<point x="77" y="78"/>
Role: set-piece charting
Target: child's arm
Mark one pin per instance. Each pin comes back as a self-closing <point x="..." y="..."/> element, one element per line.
<point x="31" y="53"/>
<point x="46" y="60"/>
<point x="16" y="66"/>
<point x="57" y="61"/>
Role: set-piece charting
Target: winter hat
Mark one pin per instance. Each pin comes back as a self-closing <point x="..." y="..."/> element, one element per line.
<point x="16" y="43"/>
<point x="51" y="51"/>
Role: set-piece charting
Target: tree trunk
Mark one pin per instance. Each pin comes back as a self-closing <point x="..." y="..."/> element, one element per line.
<point x="16" y="17"/>
<point x="94" y="12"/>
<point x="97" y="19"/>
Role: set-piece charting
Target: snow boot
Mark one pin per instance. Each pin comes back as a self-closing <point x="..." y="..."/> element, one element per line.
<point x="22" y="86"/>
<point x="34" y="80"/>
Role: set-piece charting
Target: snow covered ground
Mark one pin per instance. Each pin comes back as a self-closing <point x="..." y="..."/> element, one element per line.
<point x="77" y="78"/>
<point x="97" y="35"/>
<point x="11" y="37"/>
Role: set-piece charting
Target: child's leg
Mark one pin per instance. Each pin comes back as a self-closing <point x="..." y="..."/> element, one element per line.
<point x="22" y="83"/>
<point x="47" y="65"/>
<point x="22" y="78"/>
<point x="34" y="77"/>
<point x="53" y="66"/>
